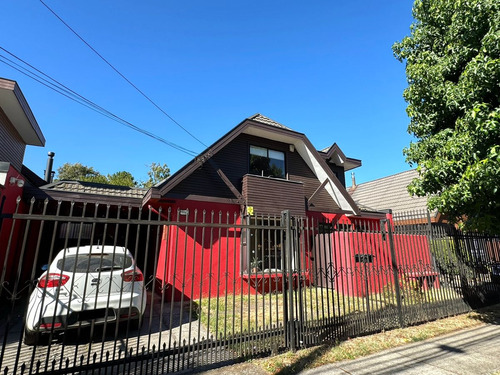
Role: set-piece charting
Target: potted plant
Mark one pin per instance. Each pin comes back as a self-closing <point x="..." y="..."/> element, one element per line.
<point x="255" y="264"/>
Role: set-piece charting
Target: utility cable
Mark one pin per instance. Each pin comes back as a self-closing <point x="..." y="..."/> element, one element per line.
<point x="49" y="82"/>
<point x="121" y="75"/>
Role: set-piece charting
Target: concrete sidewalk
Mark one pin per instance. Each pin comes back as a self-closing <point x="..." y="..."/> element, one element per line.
<point x="474" y="351"/>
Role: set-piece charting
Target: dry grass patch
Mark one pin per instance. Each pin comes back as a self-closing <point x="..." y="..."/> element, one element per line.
<point x="291" y="363"/>
<point x="236" y="314"/>
<point x="230" y="315"/>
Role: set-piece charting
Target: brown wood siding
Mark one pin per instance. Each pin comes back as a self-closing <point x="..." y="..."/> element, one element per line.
<point x="204" y="181"/>
<point x="233" y="160"/>
<point x="12" y="146"/>
<point x="270" y="196"/>
<point x="298" y="170"/>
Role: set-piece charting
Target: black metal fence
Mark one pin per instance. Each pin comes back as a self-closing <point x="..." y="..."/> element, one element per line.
<point x="138" y="291"/>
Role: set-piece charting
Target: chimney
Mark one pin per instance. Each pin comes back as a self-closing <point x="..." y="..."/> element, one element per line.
<point x="49" y="174"/>
<point x="353" y="178"/>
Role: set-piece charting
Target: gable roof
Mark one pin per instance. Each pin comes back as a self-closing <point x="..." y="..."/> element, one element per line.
<point x="335" y="155"/>
<point x="261" y="126"/>
<point x="388" y="193"/>
<point x="15" y="106"/>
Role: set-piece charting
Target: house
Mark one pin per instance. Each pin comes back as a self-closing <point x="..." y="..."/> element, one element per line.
<point x="391" y="193"/>
<point x="251" y="174"/>
<point x="411" y="212"/>
<point x="267" y="166"/>
<point x="18" y="129"/>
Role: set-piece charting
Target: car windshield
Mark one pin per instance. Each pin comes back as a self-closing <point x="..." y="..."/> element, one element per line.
<point x="93" y="262"/>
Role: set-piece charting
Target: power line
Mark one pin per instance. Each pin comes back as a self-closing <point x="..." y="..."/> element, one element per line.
<point x="49" y="82"/>
<point x="121" y="75"/>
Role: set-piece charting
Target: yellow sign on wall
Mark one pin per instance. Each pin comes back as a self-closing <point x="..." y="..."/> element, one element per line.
<point x="250" y="210"/>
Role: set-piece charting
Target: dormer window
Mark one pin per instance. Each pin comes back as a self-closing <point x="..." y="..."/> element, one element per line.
<point x="266" y="162"/>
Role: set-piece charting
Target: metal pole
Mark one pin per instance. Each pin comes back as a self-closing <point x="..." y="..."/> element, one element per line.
<point x="286" y="221"/>
<point x="395" y="272"/>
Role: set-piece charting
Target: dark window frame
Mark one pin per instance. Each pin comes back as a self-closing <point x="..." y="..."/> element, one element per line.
<point x="266" y="170"/>
<point x="262" y="252"/>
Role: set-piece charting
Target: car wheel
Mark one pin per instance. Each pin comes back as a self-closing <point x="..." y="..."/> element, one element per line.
<point x="30" y="337"/>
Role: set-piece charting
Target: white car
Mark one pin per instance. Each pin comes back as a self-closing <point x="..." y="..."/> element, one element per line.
<point x="85" y="285"/>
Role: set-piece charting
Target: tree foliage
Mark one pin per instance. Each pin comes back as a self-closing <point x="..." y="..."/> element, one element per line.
<point x="79" y="172"/>
<point x="452" y="60"/>
<point x="122" y="178"/>
<point x="157" y="173"/>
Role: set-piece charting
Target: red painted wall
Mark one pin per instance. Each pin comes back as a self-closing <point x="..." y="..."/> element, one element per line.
<point x="196" y="262"/>
<point x="413" y="260"/>
<point x="341" y="253"/>
<point x="10" y="253"/>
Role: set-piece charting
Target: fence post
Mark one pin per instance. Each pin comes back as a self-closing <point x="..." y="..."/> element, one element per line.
<point x="395" y="272"/>
<point x="2" y="202"/>
<point x="289" y="311"/>
<point x="430" y="239"/>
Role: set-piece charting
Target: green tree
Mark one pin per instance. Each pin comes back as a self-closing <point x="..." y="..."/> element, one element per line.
<point x="122" y="178"/>
<point x="79" y="172"/>
<point x="452" y="60"/>
<point x="157" y="173"/>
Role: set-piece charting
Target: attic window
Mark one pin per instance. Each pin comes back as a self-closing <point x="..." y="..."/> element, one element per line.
<point x="266" y="162"/>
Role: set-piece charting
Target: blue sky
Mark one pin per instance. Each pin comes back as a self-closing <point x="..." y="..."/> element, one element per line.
<point x="324" y="68"/>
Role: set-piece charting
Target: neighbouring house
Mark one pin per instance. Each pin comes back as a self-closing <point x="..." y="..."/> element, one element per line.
<point x="411" y="211"/>
<point x="18" y="129"/>
<point x="83" y="191"/>
<point x="391" y="193"/>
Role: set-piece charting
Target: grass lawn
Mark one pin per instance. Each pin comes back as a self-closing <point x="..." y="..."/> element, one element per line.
<point x="235" y="314"/>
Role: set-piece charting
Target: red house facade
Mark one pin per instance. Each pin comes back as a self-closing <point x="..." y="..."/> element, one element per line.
<point x="249" y="177"/>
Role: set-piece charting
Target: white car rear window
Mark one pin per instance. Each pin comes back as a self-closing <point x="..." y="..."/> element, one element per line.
<point x="94" y="262"/>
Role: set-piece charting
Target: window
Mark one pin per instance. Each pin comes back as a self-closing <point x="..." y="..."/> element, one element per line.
<point x="264" y="247"/>
<point x="266" y="162"/>
<point x="93" y="262"/>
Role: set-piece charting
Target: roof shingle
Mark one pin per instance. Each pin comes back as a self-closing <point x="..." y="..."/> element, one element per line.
<point x="388" y="193"/>
<point x="96" y="188"/>
<point x="266" y="120"/>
